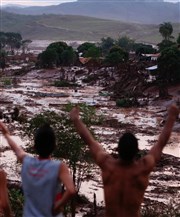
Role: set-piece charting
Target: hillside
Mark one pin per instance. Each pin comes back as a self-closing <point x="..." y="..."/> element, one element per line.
<point x="141" y="11"/>
<point x="62" y="27"/>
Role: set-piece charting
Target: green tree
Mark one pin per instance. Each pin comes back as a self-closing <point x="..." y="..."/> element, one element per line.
<point x="141" y="48"/>
<point x="125" y="42"/>
<point x="65" y="54"/>
<point x="3" y="40"/>
<point x="83" y="48"/>
<point x="165" y="44"/>
<point x="93" y="52"/>
<point x="169" y="64"/>
<point x="166" y="30"/>
<point x="13" y="40"/>
<point x="2" y="60"/>
<point x="59" y="47"/>
<point x="48" y="58"/>
<point x="68" y="57"/>
<point x="178" y="39"/>
<point x="116" y="56"/>
<point x="106" y="44"/>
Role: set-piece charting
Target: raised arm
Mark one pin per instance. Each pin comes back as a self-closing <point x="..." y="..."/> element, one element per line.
<point x="97" y="151"/>
<point x="20" y="153"/>
<point x="156" y="150"/>
<point x="67" y="180"/>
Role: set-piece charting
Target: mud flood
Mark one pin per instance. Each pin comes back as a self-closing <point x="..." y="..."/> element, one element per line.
<point x="34" y="95"/>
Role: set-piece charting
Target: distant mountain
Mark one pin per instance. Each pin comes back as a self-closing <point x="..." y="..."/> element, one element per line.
<point x="78" y="28"/>
<point x="137" y="11"/>
<point x="17" y="6"/>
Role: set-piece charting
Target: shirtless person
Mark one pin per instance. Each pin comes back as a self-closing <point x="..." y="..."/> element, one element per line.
<point x="125" y="179"/>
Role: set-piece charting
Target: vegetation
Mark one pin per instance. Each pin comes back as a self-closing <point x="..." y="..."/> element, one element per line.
<point x="141" y="48"/>
<point x="116" y="56"/>
<point x="48" y="58"/>
<point x="169" y="60"/>
<point x="12" y="41"/>
<point x="127" y="102"/>
<point x="9" y="43"/>
<point x="85" y="47"/>
<point x="161" y="210"/>
<point x="64" y="83"/>
<point x="57" y="54"/>
<point x="16" y="200"/>
<point x="2" y="59"/>
<point x="166" y="30"/>
<point x="106" y="44"/>
<point x="126" y="43"/>
<point x="169" y="64"/>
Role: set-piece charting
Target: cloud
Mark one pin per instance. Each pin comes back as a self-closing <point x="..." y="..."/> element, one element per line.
<point x="50" y="2"/>
<point x="34" y="2"/>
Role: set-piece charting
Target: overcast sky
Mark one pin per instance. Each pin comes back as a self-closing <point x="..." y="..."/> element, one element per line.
<point x="34" y="2"/>
<point x="48" y="2"/>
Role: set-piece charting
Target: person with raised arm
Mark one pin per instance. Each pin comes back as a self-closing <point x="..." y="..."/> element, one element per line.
<point x="41" y="175"/>
<point x="125" y="179"/>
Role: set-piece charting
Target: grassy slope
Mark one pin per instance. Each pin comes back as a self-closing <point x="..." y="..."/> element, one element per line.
<point x="63" y="27"/>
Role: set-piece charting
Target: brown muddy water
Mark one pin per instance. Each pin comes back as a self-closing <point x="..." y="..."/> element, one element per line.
<point x="145" y="122"/>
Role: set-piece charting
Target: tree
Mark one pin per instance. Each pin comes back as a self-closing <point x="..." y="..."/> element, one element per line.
<point x="168" y="69"/>
<point x="48" y="58"/>
<point x="68" y="57"/>
<point x="93" y="52"/>
<point x="166" y="30"/>
<point x="125" y="42"/>
<point x="178" y="39"/>
<point x="59" y="46"/>
<point x="2" y="60"/>
<point x="169" y="64"/>
<point x="3" y="40"/>
<point x="13" y="40"/>
<point x="141" y="48"/>
<point x="65" y="55"/>
<point x="106" y="44"/>
<point x="116" y="56"/>
<point x="165" y="44"/>
<point x="24" y="44"/>
<point x="83" y="48"/>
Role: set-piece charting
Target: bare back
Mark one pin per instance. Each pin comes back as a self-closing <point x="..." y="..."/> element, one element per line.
<point x="124" y="186"/>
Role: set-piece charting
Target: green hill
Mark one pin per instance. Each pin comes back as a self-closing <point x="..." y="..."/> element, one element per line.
<point x="140" y="11"/>
<point x="71" y="27"/>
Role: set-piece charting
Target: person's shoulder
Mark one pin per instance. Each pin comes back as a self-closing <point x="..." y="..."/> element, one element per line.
<point x="55" y="163"/>
<point x="148" y="162"/>
<point x="110" y="164"/>
<point x="27" y="159"/>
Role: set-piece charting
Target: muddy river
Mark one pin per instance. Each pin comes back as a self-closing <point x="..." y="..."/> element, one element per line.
<point x="33" y="95"/>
